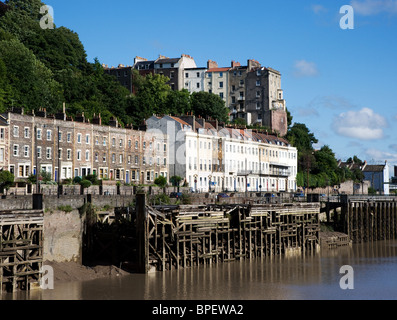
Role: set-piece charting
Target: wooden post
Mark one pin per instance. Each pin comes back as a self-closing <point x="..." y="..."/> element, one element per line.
<point x="142" y="234"/>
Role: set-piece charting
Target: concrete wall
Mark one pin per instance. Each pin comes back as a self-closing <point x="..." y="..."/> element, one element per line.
<point x="63" y="236"/>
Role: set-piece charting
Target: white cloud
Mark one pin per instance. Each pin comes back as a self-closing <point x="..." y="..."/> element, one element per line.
<point x="364" y="124"/>
<point x="318" y="8"/>
<point x="378" y="156"/>
<point x="332" y="102"/>
<point x="303" y="68"/>
<point x="374" y="7"/>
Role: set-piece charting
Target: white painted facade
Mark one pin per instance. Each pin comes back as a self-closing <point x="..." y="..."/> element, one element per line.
<point x="194" y="79"/>
<point x="246" y="165"/>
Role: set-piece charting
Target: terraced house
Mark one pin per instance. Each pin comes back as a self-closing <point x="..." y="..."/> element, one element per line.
<point x="213" y="157"/>
<point x="67" y="148"/>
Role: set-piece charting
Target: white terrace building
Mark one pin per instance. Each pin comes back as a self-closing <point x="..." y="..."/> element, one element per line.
<point x="212" y="158"/>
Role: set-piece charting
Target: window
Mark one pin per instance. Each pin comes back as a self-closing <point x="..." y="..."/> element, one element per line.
<point x="69" y="137"/>
<point x="129" y="143"/>
<point x="26" y="133"/>
<point x="16" y="150"/>
<point x="1" y="154"/>
<point x="1" y="133"/>
<point x="221" y="95"/>
<point x="39" y="134"/>
<point x="96" y="140"/>
<point x="79" y="138"/>
<point x="87" y="139"/>
<point x="121" y="158"/>
<point x="59" y="136"/>
<point x="59" y="153"/>
<point x="165" y="147"/>
<point x="113" y="142"/>
<point x="96" y="156"/>
<point x="48" y="153"/>
<point x="87" y="155"/>
<point x="220" y="74"/>
<point x="104" y="157"/>
<point x="16" y="131"/>
<point x="121" y="143"/>
<point x="113" y="157"/>
<point x="198" y="74"/>
<point x="198" y="85"/>
<point x="78" y="155"/>
<point x="186" y="75"/>
<point x="136" y="160"/>
<point x="144" y="145"/>
<point x="49" y="133"/>
<point x="136" y="144"/>
<point x="104" y="141"/>
<point x="221" y="84"/>
<point x="258" y="83"/>
<point x="69" y="154"/>
<point x="26" y="151"/>
<point x="38" y="152"/>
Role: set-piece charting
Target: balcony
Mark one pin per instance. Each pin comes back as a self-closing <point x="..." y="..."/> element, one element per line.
<point x="241" y="98"/>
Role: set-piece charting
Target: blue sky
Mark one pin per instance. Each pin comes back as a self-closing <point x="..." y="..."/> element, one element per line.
<point x="340" y="82"/>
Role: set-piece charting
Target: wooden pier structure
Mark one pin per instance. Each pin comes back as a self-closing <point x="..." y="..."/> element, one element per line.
<point x="21" y="249"/>
<point x="195" y="235"/>
<point x="366" y="220"/>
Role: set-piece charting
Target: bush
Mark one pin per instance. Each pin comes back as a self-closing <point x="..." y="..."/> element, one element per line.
<point x="160" y="181"/>
<point x="85" y="183"/>
<point x="77" y="179"/>
<point x="66" y="208"/>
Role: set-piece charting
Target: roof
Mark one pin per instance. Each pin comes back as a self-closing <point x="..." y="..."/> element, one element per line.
<point x="374" y="168"/>
<point x="218" y="70"/>
<point x="180" y="121"/>
<point x="168" y="60"/>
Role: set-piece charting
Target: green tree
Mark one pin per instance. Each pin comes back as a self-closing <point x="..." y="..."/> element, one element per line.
<point x="206" y="104"/>
<point x="32" y="81"/>
<point x="6" y="180"/>
<point x="160" y="181"/>
<point x="300" y="136"/>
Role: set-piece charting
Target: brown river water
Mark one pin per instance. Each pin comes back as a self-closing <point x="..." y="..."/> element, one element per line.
<point x="304" y="277"/>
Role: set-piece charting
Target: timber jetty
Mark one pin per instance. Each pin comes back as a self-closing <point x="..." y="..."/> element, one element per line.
<point x="194" y="235"/>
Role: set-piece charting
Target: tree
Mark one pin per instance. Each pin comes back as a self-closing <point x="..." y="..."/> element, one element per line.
<point x="160" y="181"/>
<point x="6" y="180"/>
<point x="176" y="180"/>
<point x="32" y="81"/>
<point x="301" y="137"/>
<point x="206" y="104"/>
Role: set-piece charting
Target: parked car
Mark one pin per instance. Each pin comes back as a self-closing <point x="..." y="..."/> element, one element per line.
<point x="176" y="195"/>
<point x="299" y="194"/>
<point x="269" y="195"/>
<point x="223" y="195"/>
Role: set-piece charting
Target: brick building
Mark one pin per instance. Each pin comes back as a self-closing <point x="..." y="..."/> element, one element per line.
<point x="67" y="148"/>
